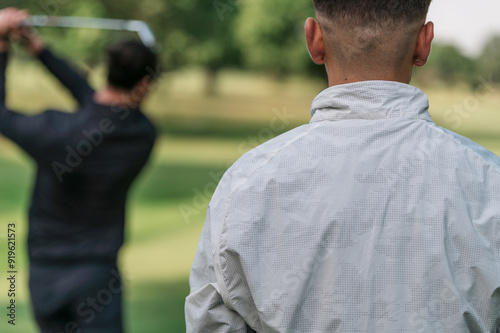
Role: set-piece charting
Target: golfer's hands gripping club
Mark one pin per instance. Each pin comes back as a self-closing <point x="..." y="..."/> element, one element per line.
<point x="13" y="26"/>
<point x="10" y="18"/>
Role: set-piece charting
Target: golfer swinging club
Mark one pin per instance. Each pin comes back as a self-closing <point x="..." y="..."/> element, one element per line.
<point x="369" y="219"/>
<point x="86" y="162"/>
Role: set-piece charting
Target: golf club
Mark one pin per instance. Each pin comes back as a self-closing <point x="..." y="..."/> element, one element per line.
<point x="140" y="27"/>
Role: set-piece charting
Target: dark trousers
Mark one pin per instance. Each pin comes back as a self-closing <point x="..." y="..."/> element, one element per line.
<point x="76" y="298"/>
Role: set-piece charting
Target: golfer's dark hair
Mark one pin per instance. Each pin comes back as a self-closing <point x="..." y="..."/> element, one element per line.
<point x="372" y="11"/>
<point x="128" y="63"/>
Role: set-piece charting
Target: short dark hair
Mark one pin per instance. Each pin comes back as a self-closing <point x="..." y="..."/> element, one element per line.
<point x="371" y="11"/>
<point x="128" y="63"/>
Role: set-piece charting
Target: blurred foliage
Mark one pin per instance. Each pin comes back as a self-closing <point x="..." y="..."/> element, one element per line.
<point x="447" y="64"/>
<point x="489" y="61"/>
<point x="257" y="35"/>
<point x="271" y="36"/>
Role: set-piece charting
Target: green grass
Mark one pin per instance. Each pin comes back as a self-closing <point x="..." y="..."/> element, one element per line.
<point x="200" y="137"/>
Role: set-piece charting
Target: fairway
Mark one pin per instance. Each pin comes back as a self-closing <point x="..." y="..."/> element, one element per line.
<point x="200" y="138"/>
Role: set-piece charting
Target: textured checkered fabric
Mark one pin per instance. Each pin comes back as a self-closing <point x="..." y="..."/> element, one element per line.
<point x="369" y="219"/>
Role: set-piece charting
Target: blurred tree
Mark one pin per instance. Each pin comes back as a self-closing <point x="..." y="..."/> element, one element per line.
<point x="271" y="36"/>
<point x="200" y="33"/>
<point x="489" y="61"/>
<point x="83" y="44"/>
<point x="192" y="32"/>
<point x="212" y="34"/>
<point x="449" y="65"/>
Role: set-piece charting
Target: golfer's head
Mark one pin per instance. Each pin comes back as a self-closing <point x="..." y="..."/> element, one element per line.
<point x="130" y="64"/>
<point x="370" y="39"/>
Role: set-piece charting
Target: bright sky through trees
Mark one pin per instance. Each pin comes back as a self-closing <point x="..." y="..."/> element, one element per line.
<point x="468" y="24"/>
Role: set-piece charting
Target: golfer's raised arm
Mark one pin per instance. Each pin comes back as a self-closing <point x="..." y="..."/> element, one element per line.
<point x="26" y="131"/>
<point x="68" y="76"/>
<point x="5" y="28"/>
<point x="3" y="66"/>
<point x="12" y="23"/>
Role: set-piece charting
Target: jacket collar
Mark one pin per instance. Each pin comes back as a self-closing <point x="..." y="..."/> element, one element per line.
<point x="370" y="100"/>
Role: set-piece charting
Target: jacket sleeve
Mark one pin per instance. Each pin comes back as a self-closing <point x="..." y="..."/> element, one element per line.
<point x="3" y="69"/>
<point x="68" y="76"/>
<point x="205" y="309"/>
<point x="28" y="132"/>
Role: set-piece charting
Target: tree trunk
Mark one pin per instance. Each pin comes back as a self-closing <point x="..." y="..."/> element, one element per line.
<point x="211" y="82"/>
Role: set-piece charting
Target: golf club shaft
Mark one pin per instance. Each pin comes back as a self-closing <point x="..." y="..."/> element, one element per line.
<point x="140" y="27"/>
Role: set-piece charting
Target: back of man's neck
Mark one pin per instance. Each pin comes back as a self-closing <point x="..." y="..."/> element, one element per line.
<point x="343" y="75"/>
<point x="339" y="78"/>
<point x="115" y="97"/>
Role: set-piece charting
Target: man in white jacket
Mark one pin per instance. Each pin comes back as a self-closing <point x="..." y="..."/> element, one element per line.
<point x="369" y="219"/>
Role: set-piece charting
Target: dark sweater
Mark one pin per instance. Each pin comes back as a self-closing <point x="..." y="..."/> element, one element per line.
<point x="86" y="162"/>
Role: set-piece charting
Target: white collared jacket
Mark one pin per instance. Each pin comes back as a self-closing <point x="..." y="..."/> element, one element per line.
<point x="369" y="219"/>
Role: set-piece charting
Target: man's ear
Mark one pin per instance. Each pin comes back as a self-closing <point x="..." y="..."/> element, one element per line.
<point x="424" y="43"/>
<point x="315" y="43"/>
